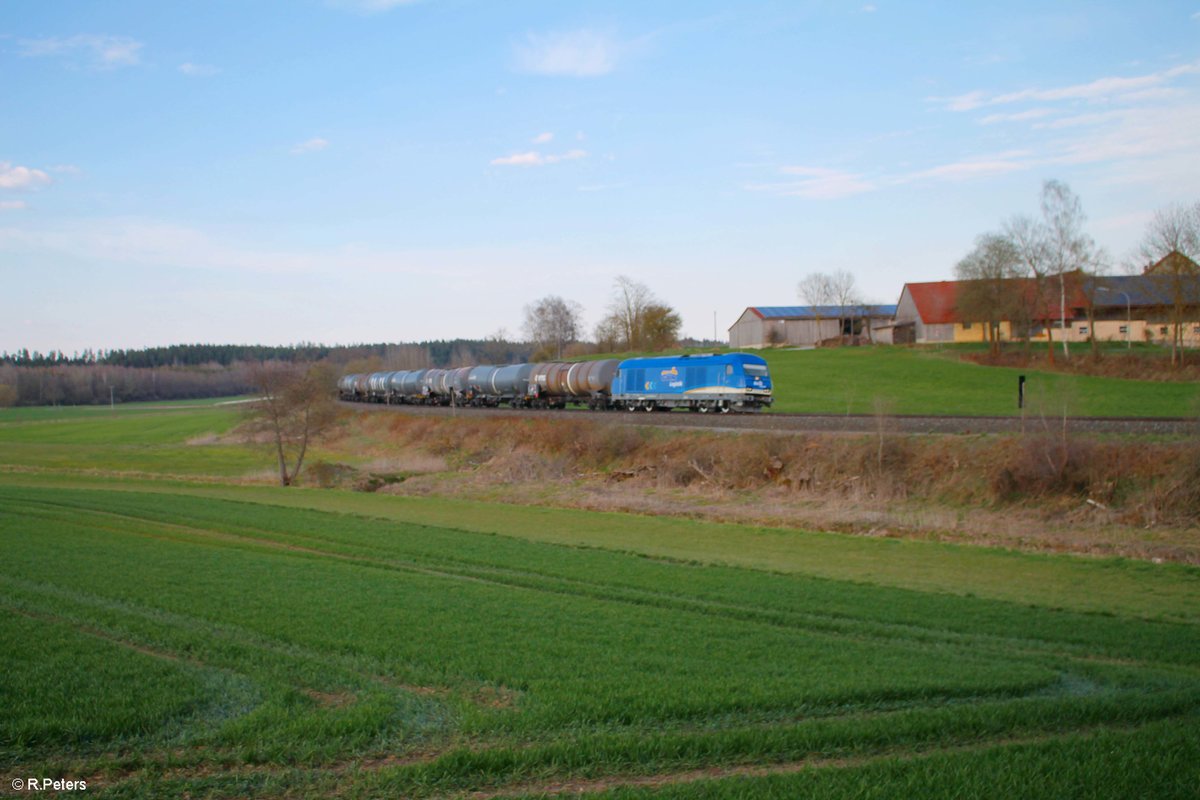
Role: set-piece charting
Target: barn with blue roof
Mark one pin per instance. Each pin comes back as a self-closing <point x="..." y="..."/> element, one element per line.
<point x="807" y="326"/>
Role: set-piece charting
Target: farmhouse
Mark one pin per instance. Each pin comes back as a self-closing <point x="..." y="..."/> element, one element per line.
<point x="935" y="312"/>
<point x="1146" y="307"/>
<point x="1142" y="307"/>
<point x="800" y="326"/>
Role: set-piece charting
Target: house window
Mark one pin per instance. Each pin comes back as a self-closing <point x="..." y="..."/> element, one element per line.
<point x="1124" y="329"/>
<point x="1083" y="330"/>
<point x="1163" y="330"/>
<point x="1196" y="329"/>
<point x="966" y="326"/>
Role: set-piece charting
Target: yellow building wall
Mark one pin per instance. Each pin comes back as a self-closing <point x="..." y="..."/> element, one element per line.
<point x="977" y="330"/>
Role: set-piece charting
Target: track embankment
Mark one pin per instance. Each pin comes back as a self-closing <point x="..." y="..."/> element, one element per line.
<point x="828" y="423"/>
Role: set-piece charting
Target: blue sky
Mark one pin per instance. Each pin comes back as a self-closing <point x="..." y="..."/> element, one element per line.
<point x="371" y="170"/>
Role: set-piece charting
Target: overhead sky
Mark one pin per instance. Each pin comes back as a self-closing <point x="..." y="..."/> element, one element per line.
<point x="350" y="171"/>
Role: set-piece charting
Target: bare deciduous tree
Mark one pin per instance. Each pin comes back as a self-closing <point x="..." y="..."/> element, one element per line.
<point x="1050" y="248"/>
<point x="814" y="289"/>
<point x="1175" y="229"/>
<point x="295" y="406"/>
<point x="637" y="319"/>
<point x="1068" y="247"/>
<point x="990" y="292"/>
<point x="839" y="289"/>
<point x="845" y="295"/>
<point x="552" y="323"/>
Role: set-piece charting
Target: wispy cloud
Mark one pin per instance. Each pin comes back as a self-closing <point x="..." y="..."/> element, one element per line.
<point x="581" y="54"/>
<point x="368" y="6"/>
<point x="869" y="8"/>
<point x="1107" y="88"/>
<point x="157" y="243"/>
<point x="602" y="187"/>
<point x="1019" y="116"/>
<point x="13" y="176"/>
<point x="970" y="168"/>
<point x="537" y="159"/>
<point x="198" y="70"/>
<point x="313" y="145"/>
<point x="543" y="138"/>
<point x="13" y="205"/>
<point x="816" y="183"/>
<point x="100" y="51"/>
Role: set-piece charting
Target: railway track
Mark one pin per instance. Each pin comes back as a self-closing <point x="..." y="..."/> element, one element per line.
<point x="832" y="423"/>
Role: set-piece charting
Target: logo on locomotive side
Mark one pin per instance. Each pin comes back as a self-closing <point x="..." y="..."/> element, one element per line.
<point x="667" y="374"/>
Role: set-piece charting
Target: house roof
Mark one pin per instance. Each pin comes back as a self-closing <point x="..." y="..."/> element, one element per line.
<point x="937" y="301"/>
<point x="1173" y="263"/>
<point x="1144" y="290"/>
<point x="823" y="312"/>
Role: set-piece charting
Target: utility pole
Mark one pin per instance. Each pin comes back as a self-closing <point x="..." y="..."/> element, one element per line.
<point x="112" y="403"/>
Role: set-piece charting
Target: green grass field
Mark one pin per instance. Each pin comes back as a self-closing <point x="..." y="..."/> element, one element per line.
<point x="919" y="381"/>
<point x="906" y="380"/>
<point x="171" y="633"/>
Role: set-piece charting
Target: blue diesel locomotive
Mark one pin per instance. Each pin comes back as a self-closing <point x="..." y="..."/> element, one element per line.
<point x="733" y="382"/>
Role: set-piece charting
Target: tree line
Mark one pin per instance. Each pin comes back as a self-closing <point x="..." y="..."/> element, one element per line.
<point x="636" y="320"/>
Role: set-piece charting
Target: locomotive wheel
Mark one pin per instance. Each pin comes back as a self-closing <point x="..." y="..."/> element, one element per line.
<point x="648" y="407"/>
<point x="631" y="406"/>
<point x="725" y="408"/>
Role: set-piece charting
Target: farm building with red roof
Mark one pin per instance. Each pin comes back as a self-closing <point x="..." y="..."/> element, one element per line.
<point x="932" y="312"/>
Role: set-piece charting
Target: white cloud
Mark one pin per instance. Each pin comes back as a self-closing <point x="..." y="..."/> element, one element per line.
<point x="536" y="159"/>
<point x="1101" y="89"/>
<point x="977" y="167"/>
<point x="817" y="183"/>
<point x="313" y="145"/>
<point x="128" y="241"/>
<point x="198" y="70"/>
<point x="17" y="177"/>
<point x="368" y="6"/>
<point x="13" y="205"/>
<point x="1020" y="116"/>
<point x="580" y="54"/>
<point x="543" y="138"/>
<point x="103" y="51"/>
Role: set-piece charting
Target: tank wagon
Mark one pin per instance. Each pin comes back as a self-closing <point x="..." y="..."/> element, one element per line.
<point x="704" y="383"/>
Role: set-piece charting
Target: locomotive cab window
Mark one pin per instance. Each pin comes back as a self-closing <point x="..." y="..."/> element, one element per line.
<point x="756" y="369"/>
<point x="729" y="369"/>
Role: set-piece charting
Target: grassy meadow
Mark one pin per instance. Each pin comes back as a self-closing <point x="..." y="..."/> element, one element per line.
<point x="175" y="626"/>
<point x="936" y="380"/>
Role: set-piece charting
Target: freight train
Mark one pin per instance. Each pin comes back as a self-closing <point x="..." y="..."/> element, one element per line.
<point x="703" y="383"/>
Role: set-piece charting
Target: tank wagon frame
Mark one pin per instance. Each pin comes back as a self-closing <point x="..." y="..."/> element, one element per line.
<point x="702" y="383"/>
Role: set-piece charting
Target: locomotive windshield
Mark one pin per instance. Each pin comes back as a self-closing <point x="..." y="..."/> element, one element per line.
<point x="755" y="369"/>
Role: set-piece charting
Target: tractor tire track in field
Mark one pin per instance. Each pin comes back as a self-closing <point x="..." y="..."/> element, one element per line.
<point x="781" y="422"/>
<point x="584" y="787"/>
<point x="810" y="622"/>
